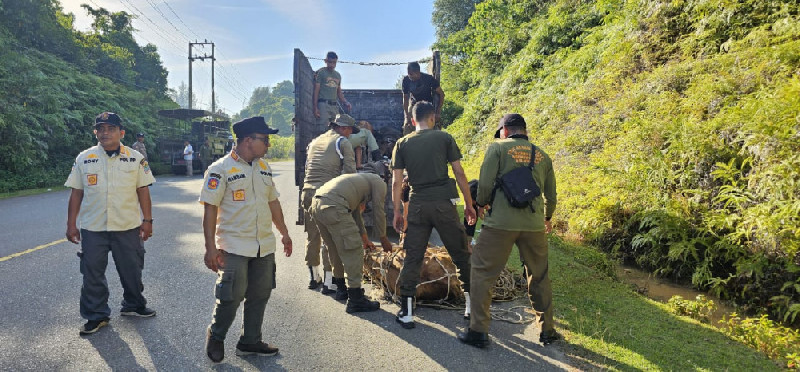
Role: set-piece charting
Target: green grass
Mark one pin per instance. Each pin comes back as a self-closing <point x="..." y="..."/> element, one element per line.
<point x="5" y="195"/>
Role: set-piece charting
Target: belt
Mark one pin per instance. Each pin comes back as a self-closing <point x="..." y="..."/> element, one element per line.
<point x="328" y="101"/>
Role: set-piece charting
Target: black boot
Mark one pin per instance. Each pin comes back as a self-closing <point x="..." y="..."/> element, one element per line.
<point x="472" y="338"/>
<point x="357" y="302"/>
<point x="405" y="316"/>
<point x="341" y="289"/>
<point x="315" y="280"/>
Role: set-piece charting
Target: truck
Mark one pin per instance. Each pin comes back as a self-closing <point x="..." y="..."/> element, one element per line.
<point x="383" y="108"/>
<point x="183" y="127"/>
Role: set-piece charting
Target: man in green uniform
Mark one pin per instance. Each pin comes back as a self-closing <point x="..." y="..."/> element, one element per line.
<point x="364" y="140"/>
<point x="425" y="155"/>
<point x="329" y="155"/>
<point x="505" y="225"/>
<point x="327" y="90"/>
<point x="332" y="208"/>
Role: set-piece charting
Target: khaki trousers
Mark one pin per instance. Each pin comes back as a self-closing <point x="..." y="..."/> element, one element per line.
<point x="314" y="242"/>
<point x="341" y="234"/>
<point x="489" y="257"/>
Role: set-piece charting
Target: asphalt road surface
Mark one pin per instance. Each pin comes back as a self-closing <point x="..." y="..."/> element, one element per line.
<point x="41" y="283"/>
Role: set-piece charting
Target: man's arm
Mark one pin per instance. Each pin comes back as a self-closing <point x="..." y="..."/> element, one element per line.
<point x="463" y="184"/>
<point x="341" y="97"/>
<point x="277" y="219"/>
<point x="146" y="229"/>
<point x="214" y="259"/>
<point x="406" y="113"/>
<point x="397" y="199"/>
<point x="73" y="208"/>
<point x="349" y="161"/>
<point x="315" y="102"/>
<point x="359" y="155"/>
<point x="440" y="93"/>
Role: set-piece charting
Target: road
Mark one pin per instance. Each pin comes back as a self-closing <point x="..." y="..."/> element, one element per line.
<point x="41" y="287"/>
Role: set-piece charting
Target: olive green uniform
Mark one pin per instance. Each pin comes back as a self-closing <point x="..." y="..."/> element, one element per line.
<point x="328" y="156"/>
<point x="425" y="156"/>
<point x="505" y="226"/>
<point x="333" y="206"/>
<point x="327" y="101"/>
<point x="364" y="139"/>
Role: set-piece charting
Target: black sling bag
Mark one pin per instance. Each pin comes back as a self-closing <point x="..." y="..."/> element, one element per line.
<point x="519" y="186"/>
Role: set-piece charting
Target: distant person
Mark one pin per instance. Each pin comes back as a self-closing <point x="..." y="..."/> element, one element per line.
<point x="364" y="140"/>
<point x="505" y="225"/>
<point x="205" y="155"/>
<point x="328" y="156"/>
<point x="241" y="204"/>
<point x="139" y="145"/>
<point x="419" y="86"/>
<point x="338" y="199"/>
<point x="110" y="192"/>
<point x="328" y="91"/>
<point x="188" y="156"/>
<point x="425" y="155"/>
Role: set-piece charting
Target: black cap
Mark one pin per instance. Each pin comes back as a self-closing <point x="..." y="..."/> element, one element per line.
<point x="331" y="55"/>
<point x="510" y="120"/>
<point x="139" y="135"/>
<point x="108" y="118"/>
<point x="255" y="124"/>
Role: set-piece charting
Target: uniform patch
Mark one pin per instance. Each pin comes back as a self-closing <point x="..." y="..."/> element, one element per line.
<point x="145" y="165"/>
<point x="92" y="156"/>
<point x="238" y="195"/>
<point x="91" y="179"/>
<point x="262" y="165"/>
<point x="213" y="183"/>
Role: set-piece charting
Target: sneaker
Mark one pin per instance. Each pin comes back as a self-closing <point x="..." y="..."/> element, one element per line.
<point x="547" y="338"/>
<point x="144" y="312"/>
<point x="259" y="348"/>
<point x="214" y="349"/>
<point x="93" y="325"/>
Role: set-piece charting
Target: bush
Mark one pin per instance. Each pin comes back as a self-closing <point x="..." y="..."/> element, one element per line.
<point x="778" y="342"/>
<point x="281" y="147"/>
<point x="701" y="308"/>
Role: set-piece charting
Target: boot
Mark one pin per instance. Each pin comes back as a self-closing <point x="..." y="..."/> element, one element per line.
<point x="406" y="314"/>
<point x="472" y="338"/>
<point x="316" y="280"/>
<point x="357" y="302"/>
<point x="466" y="310"/>
<point x="341" y="289"/>
<point x="327" y="286"/>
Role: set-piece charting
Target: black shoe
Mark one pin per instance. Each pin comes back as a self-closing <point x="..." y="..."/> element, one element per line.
<point x="326" y="290"/>
<point x="214" y="349"/>
<point x="405" y="315"/>
<point x="258" y="348"/>
<point x="341" y="289"/>
<point x="472" y="338"/>
<point x="92" y="326"/>
<point x="144" y="312"/>
<point x="357" y="302"/>
<point x="547" y="338"/>
<point x="314" y="284"/>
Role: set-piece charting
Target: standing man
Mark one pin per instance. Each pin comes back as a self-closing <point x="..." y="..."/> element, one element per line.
<point x="139" y="145"/>
<point x="327" y="90"/>
<point x="332" y="208"/>
<point x="505" y="225"/>
<point x="205" y="155"/>
<point x="110" y="184"/>
<point x="419" y="86"/>
<point x="240" y="204"/>
<point x="187" y="157"/>
<point x="328" y="156"/>
<point x="424" y="155"/>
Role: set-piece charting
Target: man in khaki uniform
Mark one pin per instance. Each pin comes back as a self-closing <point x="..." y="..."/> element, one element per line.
<point x="505" y="225"/>
<point x="425" y="155"/>
<point x="109" y="188"/>
<point x="334" y="204"/>
<point x="327" y="90"/>
<point x="139" y="145"/>
<point x="328" y="156"/>
<point x="240" y="204"/>
<point x="364" y="140"/>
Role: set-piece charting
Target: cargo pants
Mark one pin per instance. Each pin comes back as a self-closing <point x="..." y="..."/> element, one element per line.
<point x="330" y="261"/>
<point x="341" y="234"/>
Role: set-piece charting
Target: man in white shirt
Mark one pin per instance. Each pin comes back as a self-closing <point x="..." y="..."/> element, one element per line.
<point x="187" y="156"/>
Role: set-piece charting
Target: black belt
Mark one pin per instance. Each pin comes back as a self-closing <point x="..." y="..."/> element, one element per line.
<point x="328" y="101"/>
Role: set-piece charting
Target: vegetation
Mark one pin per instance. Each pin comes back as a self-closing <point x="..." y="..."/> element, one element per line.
<point x="672" y="125"/>
<point x="276" y="105"/>
<point x="762" y="334"/>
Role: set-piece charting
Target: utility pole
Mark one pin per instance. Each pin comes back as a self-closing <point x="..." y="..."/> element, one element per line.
<point x="192" y="58"/>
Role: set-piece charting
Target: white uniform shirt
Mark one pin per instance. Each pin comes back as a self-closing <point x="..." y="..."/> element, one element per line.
<point x="242" y="193"/>
<point x="110" y="201"/>
<point x="187" y="152"/>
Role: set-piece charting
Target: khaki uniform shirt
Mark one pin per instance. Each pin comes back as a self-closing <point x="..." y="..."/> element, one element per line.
<point x="328" y="156"/>
<point x="364" y="138"/>
<point x="501" y="157"/>
<point x="242" y="192"/>
<point x="110" y="201"/>
<point x="329" y="82"/>
<point x="139" y="146"/>
<point x="351" y="190"/>
<point x="425" y="155"/>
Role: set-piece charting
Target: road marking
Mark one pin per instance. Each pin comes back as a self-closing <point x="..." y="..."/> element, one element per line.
<point x="43" y="246"/>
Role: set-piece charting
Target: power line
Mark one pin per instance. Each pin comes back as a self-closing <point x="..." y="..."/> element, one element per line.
<point x="423" y="60"/>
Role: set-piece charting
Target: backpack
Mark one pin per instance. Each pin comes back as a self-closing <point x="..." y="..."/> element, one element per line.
<point x="519" y="186"/>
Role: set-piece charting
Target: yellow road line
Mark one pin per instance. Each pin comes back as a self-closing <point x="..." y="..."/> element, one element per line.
<point x="43" y="246"/>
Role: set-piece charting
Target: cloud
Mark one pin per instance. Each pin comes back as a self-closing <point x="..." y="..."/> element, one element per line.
<point x="308" y="13"/>
<point x="242" y="61"/>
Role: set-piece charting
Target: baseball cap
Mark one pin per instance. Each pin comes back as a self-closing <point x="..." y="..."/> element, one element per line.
<point x="510" y="120"/>
<point x="108" y="117"/>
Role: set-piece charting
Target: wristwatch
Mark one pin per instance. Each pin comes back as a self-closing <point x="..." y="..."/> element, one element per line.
<point x="146" y="220"/>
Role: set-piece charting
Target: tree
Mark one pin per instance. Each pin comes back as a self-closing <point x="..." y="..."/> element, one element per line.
<point x="451" y="16"/>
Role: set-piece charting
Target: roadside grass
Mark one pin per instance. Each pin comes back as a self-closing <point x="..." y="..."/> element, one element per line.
<point x="27" y="192"/>
<point x="608" y="326"/>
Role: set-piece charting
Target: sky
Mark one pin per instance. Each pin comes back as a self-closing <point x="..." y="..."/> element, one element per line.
<point x="255" y="39"/>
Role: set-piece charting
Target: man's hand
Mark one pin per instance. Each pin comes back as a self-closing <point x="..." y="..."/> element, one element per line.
<point x="368" y="244"/>
<point x="398" y="222"/>
<point x="386" y="244"/>
<point x="469" y="213"/>
<point x="316" y="113"/>
<point x="482" y="210"/>
<point x="548" y="227"/>
<point x="349" y="106"/>
<point x="146" y="230"/>
<point x="287" y="245"/>
<point x="73" y="234"/>
<point x="214" y="259"/>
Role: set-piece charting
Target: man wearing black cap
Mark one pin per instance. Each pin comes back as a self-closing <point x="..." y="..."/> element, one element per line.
<point x="139" y="145"/>
<point x="110" y="192"/>
<point x="505" y="225"/>
<point x="240" y="204"/>
<point x="328" y="91"/>
<point x="328" y="156"/>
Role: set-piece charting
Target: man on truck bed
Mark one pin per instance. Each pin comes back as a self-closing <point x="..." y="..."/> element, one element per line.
<point x="419" y="86"/>
<point x="327" y="89"/>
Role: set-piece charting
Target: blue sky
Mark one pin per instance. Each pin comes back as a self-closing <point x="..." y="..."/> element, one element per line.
<point x="255" y="39"/>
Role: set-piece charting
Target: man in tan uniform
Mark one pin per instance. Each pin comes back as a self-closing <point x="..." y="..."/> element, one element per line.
<point x="333" y="206"/>
<point x="505" y="225"/>
<point x="240" y="205"/>
<point x="328" y="156"/>
<point x="139" y="145"/>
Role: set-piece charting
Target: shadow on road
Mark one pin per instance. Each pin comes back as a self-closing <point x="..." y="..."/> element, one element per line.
<point x="114" y="350"/>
